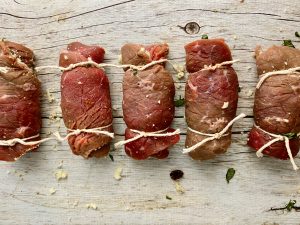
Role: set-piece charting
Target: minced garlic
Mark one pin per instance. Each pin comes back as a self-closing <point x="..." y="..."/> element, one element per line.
<point x="179" y="187"/>
<point x="49" y="96"/>
<point x="60" y="175"/>
<point x="118" y="173"/>
<point x="52" y="191"/>
<point x="225" y="105"/>
<point x="91" y="206"/>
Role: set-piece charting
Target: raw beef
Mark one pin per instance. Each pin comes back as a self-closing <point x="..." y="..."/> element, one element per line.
<point x="211" y="96"/>
<point x="277" y="101"/>
<point x="148" y="101"/>
<point x="85" y="100"/>
<point x="20" y="115"/>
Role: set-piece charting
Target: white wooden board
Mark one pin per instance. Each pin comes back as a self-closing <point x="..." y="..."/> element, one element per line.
<point x="47" y="26"/>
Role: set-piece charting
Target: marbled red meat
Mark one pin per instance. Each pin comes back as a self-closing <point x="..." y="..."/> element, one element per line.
<point x="277" y="102"/>
<point x="148" y="101"/>
<point x="211" y="96"/>
<point x="85" y="100"/>
<point x="20" y="115"/>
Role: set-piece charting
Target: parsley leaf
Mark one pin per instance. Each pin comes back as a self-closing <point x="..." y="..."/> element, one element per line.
<point x="111" y="157"/>
<point x="297" y="34"/>
<point x="168" y="197"/>
<point x="288" y="43"/>
<point x="204" y="36"/>
<point x="290" y="135"/>
<point x="179" y="102"/>
<point x="229" y="175"/>
<point x="290" y="205"/>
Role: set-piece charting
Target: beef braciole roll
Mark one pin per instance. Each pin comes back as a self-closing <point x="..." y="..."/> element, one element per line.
<point x="148" y="103"/>
<point x="85" y="101"/>
<point x="20" y="117"/>
<point x="277" y="103"/>
<point x="211" y="96"/>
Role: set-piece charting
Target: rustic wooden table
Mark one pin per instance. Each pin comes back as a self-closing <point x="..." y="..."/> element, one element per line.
<point x="47" y="26"/>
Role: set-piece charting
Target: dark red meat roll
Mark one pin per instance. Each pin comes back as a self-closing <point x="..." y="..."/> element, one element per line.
<point x="20" y="115"/>
<point x="148" y="101"/>
<point x="211" y="96"/>
<point x="85" y="100"/>
<point x="277" y="102"/>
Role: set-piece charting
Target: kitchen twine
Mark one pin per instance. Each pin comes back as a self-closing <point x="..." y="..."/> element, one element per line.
<point x="211" y="137"/>
<point x="222" y="133"/>
<point x="57" y="136"/>
<point x="277" y="137"/>
<point x="98" y="130"/>
<point x="147" y="134"/>
<point x="278" y="72"/>
<point x="139" y="68"/>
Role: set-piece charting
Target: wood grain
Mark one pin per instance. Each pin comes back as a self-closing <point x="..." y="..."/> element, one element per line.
<point x="47" y="26"/>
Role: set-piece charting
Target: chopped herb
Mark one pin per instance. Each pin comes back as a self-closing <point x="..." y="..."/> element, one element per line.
<point x="297" y="34"/>
<point x="168" y="197"/>
<point x="290" y="135"/>
<point x="179" y="102"/>
<point x="229" y="175"/>
<point x="111" y="157"/>
<point x="204" y="36"/>
<point x="176" y="174"/>
<point x="288" y="43"/>
<point x="134" y="72"/>
<point x="288" y="207"/>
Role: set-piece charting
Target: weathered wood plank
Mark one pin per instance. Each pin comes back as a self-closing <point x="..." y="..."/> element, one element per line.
<point x="47" y="26"/>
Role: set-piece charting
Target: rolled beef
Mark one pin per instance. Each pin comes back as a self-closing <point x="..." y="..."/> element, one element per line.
<point x="211" y="96"/>
<point x="148" y="101"/>
<point x="277" y="101"/>
<point x="85" y="100"/>
<point x="20" y="115"/>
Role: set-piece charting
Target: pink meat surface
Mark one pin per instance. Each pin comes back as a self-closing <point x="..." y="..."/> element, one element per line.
<point x="85" y="100"/>
<point x="277" y="102"/>
<point x="148" y="101"/>
<point x="20" y="115"/>
<point x="211" y="96"/>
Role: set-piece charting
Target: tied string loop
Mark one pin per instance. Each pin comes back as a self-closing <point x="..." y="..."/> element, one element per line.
<point x="147" y="134"/>
<point x="277" y="138"/>
<point x="90" y="62"/>
<point x="23" y="141"/>
<point x="265" y="76"/>
<point x="211" y="137"/>
<point x="57" y="136"/>
<point x="219" y="65"/>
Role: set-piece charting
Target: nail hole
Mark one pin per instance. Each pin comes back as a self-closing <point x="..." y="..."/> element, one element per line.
<point x="191" y="28"/>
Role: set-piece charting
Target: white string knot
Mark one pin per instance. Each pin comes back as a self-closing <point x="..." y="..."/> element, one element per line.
<point x="147" y="134"/>
<point x="278" y="72"/>
<point x="57" y="136"/>
<point x="211" y="137"/>
<point x="90" y="62"/>
<point x="277" y="138"/>
<point x="219" y="65"/>
<point x="23" y="141"/>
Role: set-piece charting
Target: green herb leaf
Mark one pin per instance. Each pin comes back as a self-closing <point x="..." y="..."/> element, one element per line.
<point x="204" y="36"/>
<point x="290" y="135"/>
<point x="290" y="205"/>
<point x="111" y="157"/>
<point x="230" y="173"/>
<point x="288" y="43"/>
<point x="179" y="102"/>
<point x="297" y="34"/>
<point x="168" y="197"/>
<point x="134" y="71"/>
